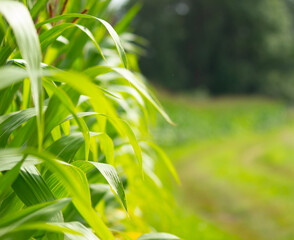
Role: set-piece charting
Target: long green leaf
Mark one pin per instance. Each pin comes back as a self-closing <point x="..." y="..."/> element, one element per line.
<point x="31" y="187"/>
<point x="134" y="81"/>
<point x="110" y="174"/>
<point x="157" y="236"/>
<point x="50" y="227"/>
<point x="76" y="183"/>
<point x="87" y="234"/>
<point x="8" y="178"/>
<point x="9" y="158"/>
<point x="52" y="34"/>
<point x="123" y="128"/>
<point x="38" y="212"/>
<point x="71" y="108"/>
<point x="8" y="123"/>
<point x="100" y="103"/>
<point x="10" y="75"/>
<point x="27" y="40"/>
<point x="66" y="147"/>
<point x="109" y="28"/>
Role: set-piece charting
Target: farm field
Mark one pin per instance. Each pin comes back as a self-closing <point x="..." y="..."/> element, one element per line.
<point x="83" y="155"/>
<point x="234" y="156"/>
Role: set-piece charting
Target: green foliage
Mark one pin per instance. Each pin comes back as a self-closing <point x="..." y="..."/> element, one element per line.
<point x="234" y="159"/>
<point x="223" y="46"/>
<point x="207" y="119"/>
<point x="74" y="119"/>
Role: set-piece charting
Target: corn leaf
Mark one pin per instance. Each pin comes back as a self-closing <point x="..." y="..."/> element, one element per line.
<point x="52" y="34"/>
<point x="8" y="123"/>
<point x="110" y="174"/>
<point x="135" y="82"/>
<point x="157" y="236"/>
<point x="76" y="184"/>
<point x="109" y="28"/>
<point x="8" y="178"/>
<point x="38" y="212"/>
<point x="10" y="75"/>
<point x="27" y="40"/>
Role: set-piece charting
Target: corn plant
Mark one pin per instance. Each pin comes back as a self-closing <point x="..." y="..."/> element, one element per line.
<point x="74" y="118"/>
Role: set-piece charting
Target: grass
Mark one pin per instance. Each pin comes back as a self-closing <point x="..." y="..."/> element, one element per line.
<point x="199" y="120"/>
<point x="235" y="161"/>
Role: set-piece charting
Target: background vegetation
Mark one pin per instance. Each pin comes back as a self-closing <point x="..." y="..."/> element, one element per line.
<point x="234" y="157"/>
<point x="219" y="46"/>
<point x="233" y="154"/>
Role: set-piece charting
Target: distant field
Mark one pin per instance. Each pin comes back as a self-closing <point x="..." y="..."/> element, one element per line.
<point x="235" y="158"/>
<point x="199" y="120"/>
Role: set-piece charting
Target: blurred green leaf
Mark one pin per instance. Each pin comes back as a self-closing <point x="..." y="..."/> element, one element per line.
<point x="157" y="236"/>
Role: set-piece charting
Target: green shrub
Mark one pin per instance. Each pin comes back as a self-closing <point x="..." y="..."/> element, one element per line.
<point x="74" y="118"/>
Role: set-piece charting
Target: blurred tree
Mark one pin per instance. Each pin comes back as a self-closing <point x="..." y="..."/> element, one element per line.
<point x="227" y="46"/>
